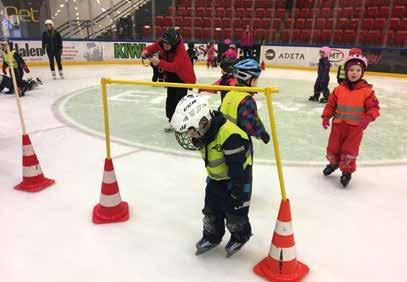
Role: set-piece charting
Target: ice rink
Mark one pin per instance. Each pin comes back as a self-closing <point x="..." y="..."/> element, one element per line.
<point x="357" y="234"/>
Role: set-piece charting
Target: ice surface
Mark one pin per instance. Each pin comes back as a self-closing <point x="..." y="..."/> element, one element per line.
<point x="356" y="234"/>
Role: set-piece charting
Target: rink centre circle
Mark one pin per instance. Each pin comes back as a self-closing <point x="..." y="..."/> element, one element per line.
<point x="137" y="118"/>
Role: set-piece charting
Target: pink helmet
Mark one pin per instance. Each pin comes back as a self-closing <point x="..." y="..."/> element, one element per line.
<point x="358" y="58"/>
<point x="227" y="41"/>
<point x="326" y="50"/>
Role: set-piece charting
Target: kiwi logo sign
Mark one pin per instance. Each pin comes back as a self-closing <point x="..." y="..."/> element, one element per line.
<point x="270" y="54"/>
<point x="336" y="56"/>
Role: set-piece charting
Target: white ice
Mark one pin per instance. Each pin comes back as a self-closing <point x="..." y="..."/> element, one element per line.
<point x="357" y="234"/>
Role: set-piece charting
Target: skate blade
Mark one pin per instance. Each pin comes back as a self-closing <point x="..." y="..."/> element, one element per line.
<point x="229" y="254"/>
<point x="202" y="251"/>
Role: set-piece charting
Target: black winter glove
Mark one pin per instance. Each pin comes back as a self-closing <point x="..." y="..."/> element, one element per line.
<point x="236" y="195"/>
<point x="265" y="137"/>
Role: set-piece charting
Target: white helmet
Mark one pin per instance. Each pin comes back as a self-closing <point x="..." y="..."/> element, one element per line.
<point x="49" y="22"/>
<point x="188" y="114"/>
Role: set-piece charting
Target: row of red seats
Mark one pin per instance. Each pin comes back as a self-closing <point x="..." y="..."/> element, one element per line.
<point x="228" y="3"/>
<point x="370" y="12"/>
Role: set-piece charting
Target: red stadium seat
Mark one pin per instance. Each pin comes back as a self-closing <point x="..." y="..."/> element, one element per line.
<point x="294" y="13"/>
<point x="337" y="12"/>
<point x="357" y="3"/>
<point x="304" y="13"/>
<point x="401" y="38"/>
<point x="197" y="22"/>
<point x="403" y="24"/>
<point x="357" y="12"/>
<point x="207" y="22"/>
<point x="326" y="36"/>
<point x="206" y="34"/>
<point x="371" y="12"/>
<point x="326" y="12"/>
<point x="227" y="22"/>
<point x="296" y="35"/>
<point x="181" y="11"/>
<point x="319" y="23"/>
<point x="383" y="3"/>
<point x="285" y="35"/>
<point x="279" y="13"/>
<point x="260" y="12"/>
<point x="265" y="23"/>
<point x="315" y="12"/>
<point x="349" y="37"/>
<point x="383" y="12"/>
<point x="401" y="2"/>
<point x="306" y="35"/>
<point x="217" y="22"/>
<point x="316" y="36"/>
<point x="236" y="23"/>
<point x="300" y="23"/>
<point x="374" y="37"/>
<point x="367" y="23"/>
<point x="263" y="4"/>
<point x="258" y="23"/>
<point x="272" y="35"/>
<point x="276" y="23"/>
<point x="247" y="3"/>
<point x="186" y="33"/>
<point x="188" y="12"/>
<point x="269" y="13"/>
<point x="363" y="37"/>
<point x="229" y="13"/>
<point x="220" y="12"/>
<point x="342" y="23"/>
<point x="238" y="3"/>
<point x="379" y="23"/>
<point x="200" y="12"/>
<point x="354" y="23"/>
<point x="308" y="23"/>
<point x="227" y="33"/>
<point x="159" y="20"/>
<point x="239" y="13"/>
<point x="237" y="34"/>
<point x="218" y="34"/>
<point x="246" y="21"/>
<point x="347" y="3"/>
<point x="329" y="23"/>
<point x="172" y="11"/>
<point x="188" y="21"/>
<point x="200" y="3"/>
<point x="198" y="33"/>
<point x="398" y="12"/>
<point x="388" y="37"/>
<point x="370" y="3"/>
<point x="179" y="21"/>
<point x="249" y="13"/>
<point x="337" y="36"/>
<point x="209" y="12"/>
<point x="394" y="23"/>
<point x="346" y="12"/>
<point x="326" y="4"/>
<point x="168" y="21"/>
<point x="260" y="34"/>
<point x="288" y="23"/>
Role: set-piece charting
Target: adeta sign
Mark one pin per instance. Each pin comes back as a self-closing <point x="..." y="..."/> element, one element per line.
<point x="292" y="56"/>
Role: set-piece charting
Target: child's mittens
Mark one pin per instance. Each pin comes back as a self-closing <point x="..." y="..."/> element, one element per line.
<point x="365" y="122"/>
<point x="325" y="122"/>
<point x="26" y="69"/>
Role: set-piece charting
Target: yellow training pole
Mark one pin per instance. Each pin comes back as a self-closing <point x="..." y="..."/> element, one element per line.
<point x="268" y="93"/>
<point x="104" y="82"/>
<point x="13" y="77"/>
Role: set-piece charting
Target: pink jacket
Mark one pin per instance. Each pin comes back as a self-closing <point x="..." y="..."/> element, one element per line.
<point x="247" y="39"/>
<point x="230" y="53"/>
<point x="210" y="51"/>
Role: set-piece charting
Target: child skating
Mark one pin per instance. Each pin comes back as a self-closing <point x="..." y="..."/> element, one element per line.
<point x="353" y="105"/>
<point x="322" y="82"/>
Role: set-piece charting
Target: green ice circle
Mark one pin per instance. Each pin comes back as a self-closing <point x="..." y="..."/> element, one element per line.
<point x="137" y="118"/>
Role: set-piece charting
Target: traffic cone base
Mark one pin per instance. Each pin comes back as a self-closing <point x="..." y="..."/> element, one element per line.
<point x="100" y="216"/>
<point x="35" y="187"/>
<point x="264" y="269"/>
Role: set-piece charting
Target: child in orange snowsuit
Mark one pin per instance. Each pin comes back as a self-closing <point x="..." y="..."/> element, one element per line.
<point x="353" y="105"/>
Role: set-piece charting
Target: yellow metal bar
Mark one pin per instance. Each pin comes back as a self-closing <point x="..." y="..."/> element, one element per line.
<point x="275" y="142"/>
<point x="186" y="85"/>
<point x="106" y="117"/>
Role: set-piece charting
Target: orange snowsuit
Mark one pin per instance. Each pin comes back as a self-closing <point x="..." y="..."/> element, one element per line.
<point x="352" y="107"/>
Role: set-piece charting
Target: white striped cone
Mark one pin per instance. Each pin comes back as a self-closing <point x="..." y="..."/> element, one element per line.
<point x="33" y="177"/>
<point x="111" y="208"/>
<point x="281" y="263"/>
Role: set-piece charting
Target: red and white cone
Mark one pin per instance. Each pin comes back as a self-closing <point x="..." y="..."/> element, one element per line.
<point x="282" y="265"/>
<point x="111" y="208"/>
<point x="33" y="178"/>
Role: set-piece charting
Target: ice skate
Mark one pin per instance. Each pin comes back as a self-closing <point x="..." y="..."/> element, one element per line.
<point x="329" y="169"/>
<point x="204" y="245"/>
<point x="54" y="76"/>
<point x="39" y="81"/>
<point x="345" y="179"/>
<point x="168" y="129"/>
<point x="61" y="74"/>
<point x="233" y="246"/>
<point x="313" y="98"/>
<point x="323" y="100"/>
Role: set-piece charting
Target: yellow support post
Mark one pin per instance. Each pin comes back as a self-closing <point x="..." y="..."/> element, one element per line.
<point x="104" y="82"/>
<point x="268" y="93"/>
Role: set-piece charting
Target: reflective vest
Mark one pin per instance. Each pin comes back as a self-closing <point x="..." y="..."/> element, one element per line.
<point x="13" y="60"/>
<point x="216" y="164"/>
<point x="230" y="104"/>
<point x="342" y="72"/>
<point x="350" y="104"/>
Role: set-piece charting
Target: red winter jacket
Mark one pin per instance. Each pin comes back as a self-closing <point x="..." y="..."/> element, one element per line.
<point x="176" y="61"/>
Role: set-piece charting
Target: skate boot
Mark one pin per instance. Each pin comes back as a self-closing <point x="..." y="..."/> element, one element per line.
<point x="345" y="179"/>
<point x="39" y="81"/>
<point x="313" y="98"/>
<point x="204" y="245"/>
<point x="323" y="100"/>
<point x="233" y="246"/>
<point x="61" y="74"/>
<point x="329" y="169"/>
<point x="169" y="128"/>
<point x="54" y="76"/>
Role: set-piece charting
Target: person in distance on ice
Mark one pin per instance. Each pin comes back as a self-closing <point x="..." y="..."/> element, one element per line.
<point x="176" y="65"/>
<point x="17" y="63"/>
<point x="225" y="148"/>
<point x="353" y="105"/>
<point x="322" y="82"/>
<point x="340" y="76"/>
<point x="52" y="44"/>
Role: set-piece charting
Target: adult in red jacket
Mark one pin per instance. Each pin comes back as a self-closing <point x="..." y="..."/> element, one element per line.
<point x="175" y="63"/>
<point x="353" y="105"/>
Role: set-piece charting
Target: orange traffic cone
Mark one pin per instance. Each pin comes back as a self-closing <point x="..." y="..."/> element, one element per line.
<point x="263" y="65"/>
<point x="33" y="178"/>
<point x="111" y="208"/>
<point x="281" y="263"/>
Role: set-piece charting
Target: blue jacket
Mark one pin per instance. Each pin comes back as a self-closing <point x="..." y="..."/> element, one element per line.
<point x="323" y="69"/>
